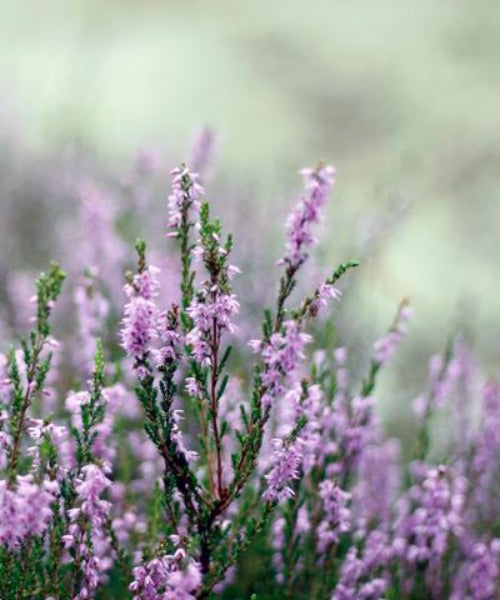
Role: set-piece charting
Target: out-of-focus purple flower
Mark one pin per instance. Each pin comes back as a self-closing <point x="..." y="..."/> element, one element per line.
<point x="96" y="237"/>
<point x="384" y="348"/>
<point x="92" y="310"/>
<point x="336" y="515"/>
<point x="278" y="541"/>
<point x="378" y="484"/>
<point x="5" y="443"/>
<point x="357" y="580"/>
<point x="442" y="378"/>
<point x="308" y="404"/>
<point x="428" y="517"/>
<point x="169" y="577"/>
<point x="18" y="519"/>
<point x="486" y="461"/>
<point x="479" y="576"/>
<point x="317" y="183"/>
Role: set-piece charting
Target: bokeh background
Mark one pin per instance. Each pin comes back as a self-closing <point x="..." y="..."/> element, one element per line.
<point x="402" y="97"/>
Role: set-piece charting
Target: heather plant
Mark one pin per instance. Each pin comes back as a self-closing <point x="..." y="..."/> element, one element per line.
<point x="187" y="461"/>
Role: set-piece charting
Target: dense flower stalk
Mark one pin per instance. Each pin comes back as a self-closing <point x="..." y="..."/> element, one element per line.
<point x="140" y="320"/>
<point x="317" y="184"/>
<point x="336" y="515"/>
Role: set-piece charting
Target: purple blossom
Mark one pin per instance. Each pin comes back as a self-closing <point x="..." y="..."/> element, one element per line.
<point x="92" y="310"/>
<point x="317" y="183"/>
<point x="59" y="435"/>
<point x="18" y="520"/>
<point x="486" y="460"/>
<point x="171" y="338"/>
<point x="324" y="295"/>
<point x="90" y="515"/>
<point x="169" y="577"/>
<point x="442" y="378"/>
<point x="384" y="348"/>
<point x="286" y="461"/>
<point x="429" y="516"/>
<point x="140" y="320"/>
<point x="336" y="515"/>
<point x="281" y="357"/>
<point x="479" y="575"/>
<point x="5" y="444"/>
<point x="278" y="542"/>
<point x="211" y="311"/>
<point x="308" y="404"/>
<point x="185" y="194"/>
<point x="378" y="484"/>
<point x="356" y="581"/>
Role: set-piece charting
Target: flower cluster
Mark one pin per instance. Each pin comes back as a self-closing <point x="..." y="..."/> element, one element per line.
<point x="337" y="517"/>
<point x="317" y="183"/>
<point x="19" y="522"/>
<point x="168" y="577"/>
<point x="139" y="322"/>
<point x="188" y="467"/>
<point x="185" y="195"/>
<point x="281" y="356"/>
<point x="86" y="536"/>
<point x="287" y="460"/>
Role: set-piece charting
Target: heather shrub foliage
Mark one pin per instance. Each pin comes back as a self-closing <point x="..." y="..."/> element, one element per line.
<point x="195" y="462"/>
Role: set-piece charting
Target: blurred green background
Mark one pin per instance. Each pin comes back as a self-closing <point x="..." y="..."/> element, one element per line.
<point x="402" y="97"/>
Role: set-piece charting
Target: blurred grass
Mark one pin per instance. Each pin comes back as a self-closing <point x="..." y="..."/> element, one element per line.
<point x="402" y="97"/>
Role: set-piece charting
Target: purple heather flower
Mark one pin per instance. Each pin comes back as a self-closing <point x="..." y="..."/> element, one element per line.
<point x="317" y="183"/>
<point x="336" y="516"/>
<point x="326" y="292"/>
<point x="278" y="542"/>
<point x="281" y="356"/>
<point x="286" y="462"/>
<point x="185" y="194"/>
<point x="384" y="348"/>
<point x="356" y="582"/>
<point x="140" y="320"/>
<point x="18" y="519"/>
<point x="92" y="310"/>
<point x="96" y="236"/>
<point x="90" y="515"/>
<point x="208" y="312"/>
<point x="59" y="436"/>
<point x="5" y="442"/>
<point x="377" y="485"/>
<point x="486" y="460"/>
<point x="310" y="405"/>
<point x="479" y="575"/>
<point x="193" y="387"/>
<point x="428" y="516"/>
<point x="169" y="577"/>
<point x="89" y="489"/>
